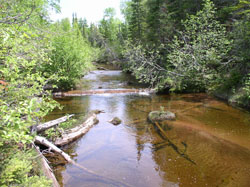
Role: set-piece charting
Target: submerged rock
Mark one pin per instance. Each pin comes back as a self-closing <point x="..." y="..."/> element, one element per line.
<point x="157" y="116"/>
<point x="97" y="111"/>
<point x="115" y="121"/>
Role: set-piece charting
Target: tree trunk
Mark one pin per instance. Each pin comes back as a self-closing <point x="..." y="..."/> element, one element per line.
<point x="43" y="141"/>
<point x="47" y="125"/>
<point x="78" y="131"/>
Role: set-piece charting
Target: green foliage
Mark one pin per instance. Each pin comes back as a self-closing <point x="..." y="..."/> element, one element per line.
<point x="136" y="23"/>
<point x="160" y="24"/>
<point x="24" y="49"/>
<point x="189" y="45"/>
<point x="110" y="36"/>
<point x="236" y="80"/>
<point x="246" y="88"/>
<point x="108" y="26"/>
<point x="56" y="132"/>
<point x="192" y="61"/>
<point x="71" y="55"/>
<point x="242" y="98"/>
<point x="142" y="63"/>
<point x="83" y="26"/>
<point x="199" y="52"/>
<point x="69" y="124"/>
<point x="22" y="169"/>
<point x="241" y="35"/>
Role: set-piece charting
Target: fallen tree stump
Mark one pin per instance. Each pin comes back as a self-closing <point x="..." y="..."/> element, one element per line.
<point x="78" y="131"/>
<point x="47" y="125"/>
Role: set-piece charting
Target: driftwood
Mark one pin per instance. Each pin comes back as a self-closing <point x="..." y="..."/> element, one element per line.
<point x="47" y="125"/>
<point x="43" y="141"/>
<point x="95" y="92"/>
<point x="78" y="131"/>
<point x="46" y="168"/>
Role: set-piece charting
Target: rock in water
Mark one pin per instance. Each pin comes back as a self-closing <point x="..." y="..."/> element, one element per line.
<point x="97" y="111"/>
<point x="157" y="116"/>
<point x="115" y="121"/>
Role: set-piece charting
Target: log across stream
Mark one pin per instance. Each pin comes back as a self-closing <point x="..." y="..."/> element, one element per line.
<point x="76" y="93"/>
<point x="207" y="144"/>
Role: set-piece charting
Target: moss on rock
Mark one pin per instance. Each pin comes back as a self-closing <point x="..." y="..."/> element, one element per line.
<point x="157" y="116"/>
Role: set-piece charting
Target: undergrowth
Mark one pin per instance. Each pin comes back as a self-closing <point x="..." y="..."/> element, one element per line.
<point x="22" y="168"/>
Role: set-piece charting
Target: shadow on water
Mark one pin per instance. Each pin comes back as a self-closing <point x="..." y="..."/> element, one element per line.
<point x="207" y="145"/>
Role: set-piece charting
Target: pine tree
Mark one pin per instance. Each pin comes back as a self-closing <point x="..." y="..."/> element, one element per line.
<point x="137" y="20"/>
<point x="160" y="25"/>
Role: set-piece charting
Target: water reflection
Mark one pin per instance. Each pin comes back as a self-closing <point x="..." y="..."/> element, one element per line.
<point x="208" y="144"/>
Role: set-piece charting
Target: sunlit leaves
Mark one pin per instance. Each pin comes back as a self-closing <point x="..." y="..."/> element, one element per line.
<point x="199" y="51"/>
<point x="70" y="55"/>
<point x="23" y="50"/>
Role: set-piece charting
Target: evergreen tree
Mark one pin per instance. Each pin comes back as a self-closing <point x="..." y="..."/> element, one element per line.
<point x="160" y="25"/>
<point x="136" y="23"/>
<point x="83" y="25"/>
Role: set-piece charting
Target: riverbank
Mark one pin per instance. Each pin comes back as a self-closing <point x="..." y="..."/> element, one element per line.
<point x="236" y="98"/>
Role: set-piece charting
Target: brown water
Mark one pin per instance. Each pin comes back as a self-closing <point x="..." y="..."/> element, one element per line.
<point x="207" y="145"/>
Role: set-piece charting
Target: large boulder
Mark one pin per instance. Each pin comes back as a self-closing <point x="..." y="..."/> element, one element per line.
<point x="157" y="116"/>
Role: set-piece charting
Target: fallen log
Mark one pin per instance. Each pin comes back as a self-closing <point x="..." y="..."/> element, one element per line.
<point x="46" y="168"/>
<point x="104" y="91"/>
<point x="43" y="141"/>
<point x="47" y="125"/>
<point x="78" y="131"/>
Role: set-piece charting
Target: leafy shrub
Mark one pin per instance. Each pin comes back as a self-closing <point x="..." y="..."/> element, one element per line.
<point x="199" y="53"/>
<point x="18" y="171"/>
<point x="71" y="55"/>
<point x="145" y="64"/>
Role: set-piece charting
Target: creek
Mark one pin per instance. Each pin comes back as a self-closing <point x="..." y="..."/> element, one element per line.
<point x="207" y="145"/>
